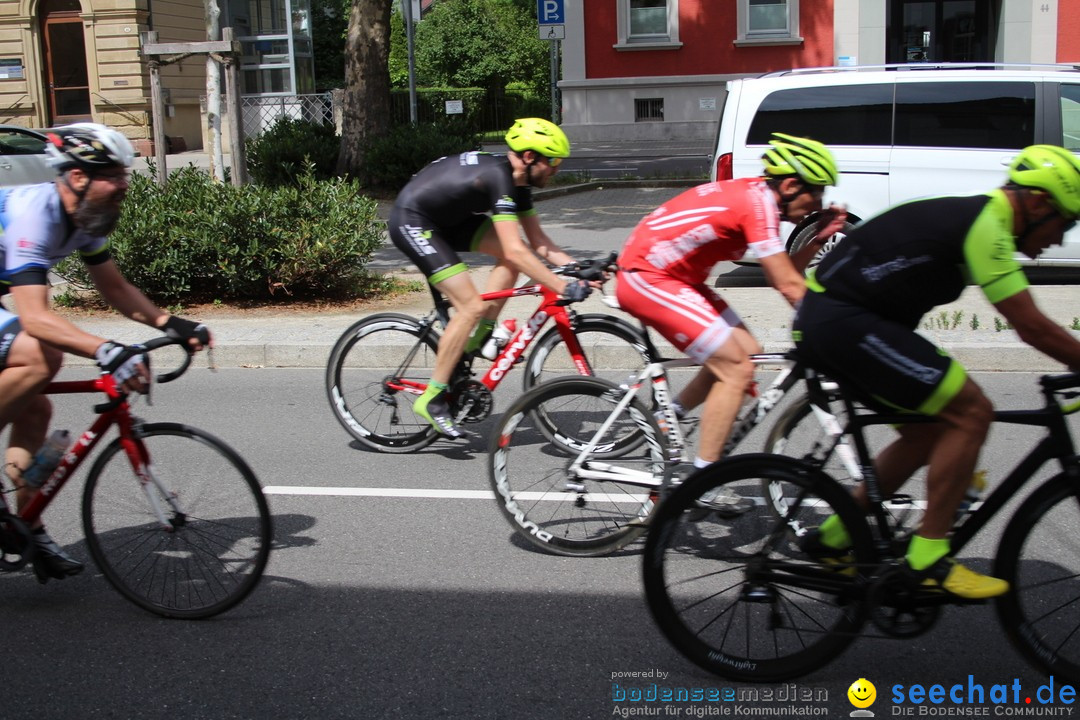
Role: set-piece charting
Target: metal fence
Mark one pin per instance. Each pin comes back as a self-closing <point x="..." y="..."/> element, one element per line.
<point x="261" y="112"/>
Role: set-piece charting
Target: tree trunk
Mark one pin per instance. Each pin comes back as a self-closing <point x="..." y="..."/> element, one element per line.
<point x="367" y="82"/>
<point x="213" y="94"/>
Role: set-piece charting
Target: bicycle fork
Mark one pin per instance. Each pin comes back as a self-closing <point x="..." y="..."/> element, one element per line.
<point x="154" y="490"/>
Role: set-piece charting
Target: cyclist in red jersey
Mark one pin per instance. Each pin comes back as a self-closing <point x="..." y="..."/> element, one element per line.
<point x="666" y="261"/>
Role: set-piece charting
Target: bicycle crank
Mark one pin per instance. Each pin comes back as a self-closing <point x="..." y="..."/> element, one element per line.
<point x="898" y="607"/>
<point x="472" y="398"/>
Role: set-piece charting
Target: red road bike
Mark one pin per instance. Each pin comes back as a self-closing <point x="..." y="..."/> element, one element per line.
<point x="383" y="362"/>
<point x="174" y="518"/>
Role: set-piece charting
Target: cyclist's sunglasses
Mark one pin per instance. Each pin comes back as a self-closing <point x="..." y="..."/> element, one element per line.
<point x="552" y="161"/>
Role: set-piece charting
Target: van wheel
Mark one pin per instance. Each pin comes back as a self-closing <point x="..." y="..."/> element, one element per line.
<point x="804" y="236"/>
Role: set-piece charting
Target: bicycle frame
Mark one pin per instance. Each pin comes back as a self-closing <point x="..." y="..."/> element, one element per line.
<point x="752" y="415"/>
<point x="116" y="411"/>
<point x="1056" y="445"/>
<point x="549" y="309"/>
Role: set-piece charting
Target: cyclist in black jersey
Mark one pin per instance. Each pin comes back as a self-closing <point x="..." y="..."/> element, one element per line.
<point x="41" y="225"/>
<point x="444" y="209"/>
<point x="868" y="296"/>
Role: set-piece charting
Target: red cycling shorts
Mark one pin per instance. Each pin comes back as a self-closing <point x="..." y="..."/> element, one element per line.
<point x="693" y="318"/>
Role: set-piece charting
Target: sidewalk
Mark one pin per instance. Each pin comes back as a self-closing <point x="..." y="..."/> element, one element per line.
<point x="290" y="339"/>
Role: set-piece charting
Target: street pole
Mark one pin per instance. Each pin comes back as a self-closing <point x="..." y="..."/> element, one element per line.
<point x="554" y="81"/>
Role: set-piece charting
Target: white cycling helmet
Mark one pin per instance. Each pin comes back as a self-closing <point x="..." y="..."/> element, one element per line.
<point x="88" y="146"/>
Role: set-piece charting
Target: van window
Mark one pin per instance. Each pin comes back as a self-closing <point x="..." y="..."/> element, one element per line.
<point x="1070" y="116"/>
<point x="842" y="115"/>
<point x="965" y="114"/>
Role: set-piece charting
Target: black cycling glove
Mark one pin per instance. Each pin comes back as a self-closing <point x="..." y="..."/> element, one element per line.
<point x="179" y="328"/>
<point x="576" y="291"/>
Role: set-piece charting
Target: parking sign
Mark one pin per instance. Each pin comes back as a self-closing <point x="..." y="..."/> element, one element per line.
<point x="550" y="12"/>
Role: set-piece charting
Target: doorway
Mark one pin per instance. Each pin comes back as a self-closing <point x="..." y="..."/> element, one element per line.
<point x="939" y="31"/>
<point x="63" y="46"/>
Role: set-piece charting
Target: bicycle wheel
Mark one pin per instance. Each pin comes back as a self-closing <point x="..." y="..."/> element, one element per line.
<point x="1039" y="556"/>
<point x="613" y="348"/>
<point x="551" y="505"/>
<point x="799" y="434"/>
<point x="369" y="368"/>
<point x="216" y="544"/>
<point x="738" y="596"/>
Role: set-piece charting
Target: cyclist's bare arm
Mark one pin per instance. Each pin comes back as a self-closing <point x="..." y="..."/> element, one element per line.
<point x="782" y="275"/>
<point x="544" y="246"/>
<point x="521" y="257"/>
<point x="41" y="323"/>
<point x="1039" y="331"/>
<point x="125" y="297"/>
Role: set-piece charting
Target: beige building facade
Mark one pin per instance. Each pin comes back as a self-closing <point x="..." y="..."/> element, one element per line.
<point x="65" y="61"/>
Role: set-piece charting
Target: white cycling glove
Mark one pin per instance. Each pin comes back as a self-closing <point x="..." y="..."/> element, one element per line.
<point x="109" y="356"/>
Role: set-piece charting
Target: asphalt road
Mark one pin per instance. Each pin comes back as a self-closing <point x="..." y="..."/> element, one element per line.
<point x="407" y="607"/>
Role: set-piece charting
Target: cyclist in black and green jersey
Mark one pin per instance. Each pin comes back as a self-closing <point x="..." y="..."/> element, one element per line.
<point x="869" y="295"/>
<point x="444" y="209"/>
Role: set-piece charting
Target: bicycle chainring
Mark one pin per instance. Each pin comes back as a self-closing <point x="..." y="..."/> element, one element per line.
<point x="899" y="607"/>
<point x="475" y="396"/>
<point x="16" y="545"/>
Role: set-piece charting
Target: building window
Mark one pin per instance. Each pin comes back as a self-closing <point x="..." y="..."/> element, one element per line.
<point x="649" y="110"/>
<point x="768" y="21"/>
<point x="647" y="24"/>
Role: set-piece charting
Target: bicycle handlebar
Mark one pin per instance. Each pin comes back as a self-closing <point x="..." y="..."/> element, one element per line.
<point x="590" y="269"/>
<point x="155" y="344"/>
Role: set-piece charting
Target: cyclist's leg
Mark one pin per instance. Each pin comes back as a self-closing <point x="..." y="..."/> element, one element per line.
<point x="698" y="322"/>
<point x="503" y="276"/>
<point x="892" y="367"/>
<point x="27" y="366"/>
<point x="434" y="251"/>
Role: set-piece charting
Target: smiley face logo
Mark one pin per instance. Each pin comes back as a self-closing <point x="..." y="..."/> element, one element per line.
<point x="862" y="693"/>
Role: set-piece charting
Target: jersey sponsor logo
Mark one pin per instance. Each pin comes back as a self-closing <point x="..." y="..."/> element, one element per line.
<point x="514" y="349"/>
<point x="892" y="357"/>
<point x="469" y="158"/>
<point x="668" y="252"/>
<point x="875" y="273"/>
<point x="418" y="238"/>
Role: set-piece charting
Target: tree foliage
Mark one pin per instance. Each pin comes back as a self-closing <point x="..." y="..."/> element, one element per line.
<point x="481" y="43"/>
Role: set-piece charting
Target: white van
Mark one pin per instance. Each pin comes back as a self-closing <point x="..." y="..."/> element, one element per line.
<point x="905" y="131"/>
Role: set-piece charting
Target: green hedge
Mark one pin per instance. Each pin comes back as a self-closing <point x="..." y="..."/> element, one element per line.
<point x="197" y="240"/>
<point x="392" y="159"/>
<point x="278" y="155"/>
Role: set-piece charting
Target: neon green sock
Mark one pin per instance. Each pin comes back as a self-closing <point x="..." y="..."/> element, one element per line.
<point x="433" y="389"/>
<point x="924" y="552"/>
<point x="834" y="534"/>
<point x="480" y="334"/>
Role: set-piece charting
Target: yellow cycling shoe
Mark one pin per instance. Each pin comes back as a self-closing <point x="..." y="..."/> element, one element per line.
<point x="956" y="579"/>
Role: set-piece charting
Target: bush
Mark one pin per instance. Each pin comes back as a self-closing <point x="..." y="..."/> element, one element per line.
<point x="390" y="161"/>
<point x="278" y="156"/>
<point x="197" y="240"/>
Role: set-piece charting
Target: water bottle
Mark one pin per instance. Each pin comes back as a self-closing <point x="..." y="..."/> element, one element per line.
<point x="499" y="337"/>
<point x="973" y="493"/>
<point x="47" y="458"/>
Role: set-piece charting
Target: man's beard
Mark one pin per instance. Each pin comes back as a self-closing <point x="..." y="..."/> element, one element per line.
<point x="97" y="218"/>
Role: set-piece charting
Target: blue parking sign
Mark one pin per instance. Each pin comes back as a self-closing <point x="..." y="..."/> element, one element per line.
<point x="550" y="12"/>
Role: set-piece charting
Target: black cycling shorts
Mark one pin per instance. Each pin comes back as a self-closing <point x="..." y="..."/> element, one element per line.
<point x="888" y="365"/>
<point x="435" y="249"/>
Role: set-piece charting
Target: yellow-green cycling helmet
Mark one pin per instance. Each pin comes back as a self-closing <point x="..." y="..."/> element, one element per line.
<point x="538" y="135"/>
<point x="808" y="159"/>
<point x="1055" y="171"/>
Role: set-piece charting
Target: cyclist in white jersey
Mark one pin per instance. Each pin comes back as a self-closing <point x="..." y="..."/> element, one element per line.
<point x="41" y="225"/>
